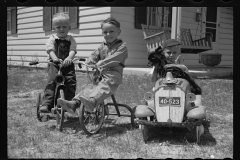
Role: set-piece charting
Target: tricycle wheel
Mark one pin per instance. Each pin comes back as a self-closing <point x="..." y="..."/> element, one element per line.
<point x="91" y="122"/>
<point x="41" y="118"/>
<point x="60" y="112"/>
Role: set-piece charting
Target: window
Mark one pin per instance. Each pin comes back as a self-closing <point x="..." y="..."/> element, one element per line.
<point x="211" y="22"/>
<point x="8" y="18"/>
<point x="156" y="16"/>
<point x="48" y="13"/>
<point x="12" y="20"/>
<point x="159" y="16"/>
<point x="60" y="9"/>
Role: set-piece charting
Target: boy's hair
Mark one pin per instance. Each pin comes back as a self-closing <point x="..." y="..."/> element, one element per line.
<point x="111" y="20"/>
<point x="61" y="17"/>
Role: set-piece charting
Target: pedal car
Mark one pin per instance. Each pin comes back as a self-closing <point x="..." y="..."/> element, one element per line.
<point x="170" y="104"/>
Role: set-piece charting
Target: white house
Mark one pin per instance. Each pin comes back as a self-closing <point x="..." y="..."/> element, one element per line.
<point x="29" y="28"/>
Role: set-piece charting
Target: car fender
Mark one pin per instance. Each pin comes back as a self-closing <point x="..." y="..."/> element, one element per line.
<point x="197" y="113"/>
<point x="143" y="111"/>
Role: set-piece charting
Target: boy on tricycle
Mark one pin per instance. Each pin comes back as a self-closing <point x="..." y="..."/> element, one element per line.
<point x="61" y="48"/>
<point x="113" y="49"/>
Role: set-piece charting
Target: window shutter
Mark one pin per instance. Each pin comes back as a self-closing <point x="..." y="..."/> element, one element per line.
<point x="47" y="18"/>
<point x="14" y="20"/>
<point x="73" y="15"/>
<point x="140" y="16"/>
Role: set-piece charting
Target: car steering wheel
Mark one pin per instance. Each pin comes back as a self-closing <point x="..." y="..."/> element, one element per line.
<point x="176" y="72"/>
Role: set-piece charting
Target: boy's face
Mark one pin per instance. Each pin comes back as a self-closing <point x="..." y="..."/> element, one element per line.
<point x="110" y="32"/>
<point x="62" y="28"/>
<point x="171" y="53"/>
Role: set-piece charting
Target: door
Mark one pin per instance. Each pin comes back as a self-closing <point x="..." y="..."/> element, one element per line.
<point x="210" y="24"/>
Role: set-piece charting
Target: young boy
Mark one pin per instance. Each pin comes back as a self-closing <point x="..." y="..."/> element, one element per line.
<point x="112" y="49"/>
<point x="169" y="54"/>
<point x="60" y="47"/>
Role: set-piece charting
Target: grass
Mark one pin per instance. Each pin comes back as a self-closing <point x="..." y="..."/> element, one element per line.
<point x="28" y="138"/>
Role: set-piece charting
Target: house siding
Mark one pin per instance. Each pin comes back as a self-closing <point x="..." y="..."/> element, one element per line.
<point x="137" y="49"/>
<point x="225" y="35"/>
<point x="29" y="42"/>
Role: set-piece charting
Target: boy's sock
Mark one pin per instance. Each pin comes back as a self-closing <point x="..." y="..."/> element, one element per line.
<point x="44" y="108"/>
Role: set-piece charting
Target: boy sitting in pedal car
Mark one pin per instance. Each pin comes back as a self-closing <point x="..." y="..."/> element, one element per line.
<point x="113" y="49"/>
<point x="169" y="53"/>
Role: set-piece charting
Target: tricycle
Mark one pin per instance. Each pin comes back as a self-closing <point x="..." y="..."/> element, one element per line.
<point x="170" y="104"/>
<point x="60" y="92"/>
<point x="92" y="122"/>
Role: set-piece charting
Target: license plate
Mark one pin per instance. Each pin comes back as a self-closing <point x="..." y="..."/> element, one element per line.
<point x="173" y="101"/>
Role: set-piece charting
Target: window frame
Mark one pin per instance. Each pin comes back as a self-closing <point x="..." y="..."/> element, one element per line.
<point x="48" y="14"/>
<point x="213" y="28"/>
<point x="13" y="20"/>
<point x="142" y="16"/>
<point x="8" y="20"/>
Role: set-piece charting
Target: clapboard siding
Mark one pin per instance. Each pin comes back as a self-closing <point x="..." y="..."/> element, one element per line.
<point x="93" y="18"/>
<point x="30" y="25"/>
<point x="28" y="53"/>
<point x="33" y="14"/>
<point x="30" y="20"/>
<point x="28" y="10"/>
<point x="137" y="49"/>
<point x="93" y="11"/>
<point x="29" y="42"/>
<point x="27" y="36"/>
<point x="226" y="36"/>
<point x="225" y="42"/>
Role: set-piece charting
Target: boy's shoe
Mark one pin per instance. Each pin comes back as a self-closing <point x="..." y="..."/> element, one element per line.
<point x="69" y="106"/>
<point x="89" y="103"/>
<point x="44" y="109"/>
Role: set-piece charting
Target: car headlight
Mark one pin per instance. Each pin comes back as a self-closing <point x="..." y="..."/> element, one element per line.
<point x="190" y="97"/>
<point x="148" y="96"/>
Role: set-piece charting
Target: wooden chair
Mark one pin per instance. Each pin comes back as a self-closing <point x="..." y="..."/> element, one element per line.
<point x="188" y="45"/>
<point x="155" y="35"/>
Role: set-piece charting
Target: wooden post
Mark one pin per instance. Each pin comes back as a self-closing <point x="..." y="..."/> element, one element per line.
<point x="176" y="21"/>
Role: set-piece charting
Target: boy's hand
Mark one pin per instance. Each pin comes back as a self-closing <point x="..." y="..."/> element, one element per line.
<point x="67" y="62"/>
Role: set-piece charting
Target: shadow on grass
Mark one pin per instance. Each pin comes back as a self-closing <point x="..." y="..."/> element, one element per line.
<point x="108" y="130"/>
<point x="115" y="129"/>
<point x="70" y="123"/>
<point x="181" y="136"/>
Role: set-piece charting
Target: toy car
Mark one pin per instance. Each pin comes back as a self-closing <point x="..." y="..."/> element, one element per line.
<point x="170" y="104"/>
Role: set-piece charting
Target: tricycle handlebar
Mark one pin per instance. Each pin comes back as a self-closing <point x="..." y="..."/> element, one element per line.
<point x="107" y="65"/>
<point x="57" y="61"/>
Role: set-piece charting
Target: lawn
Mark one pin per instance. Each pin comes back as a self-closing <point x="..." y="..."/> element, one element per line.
<point x="29" y="138"/>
